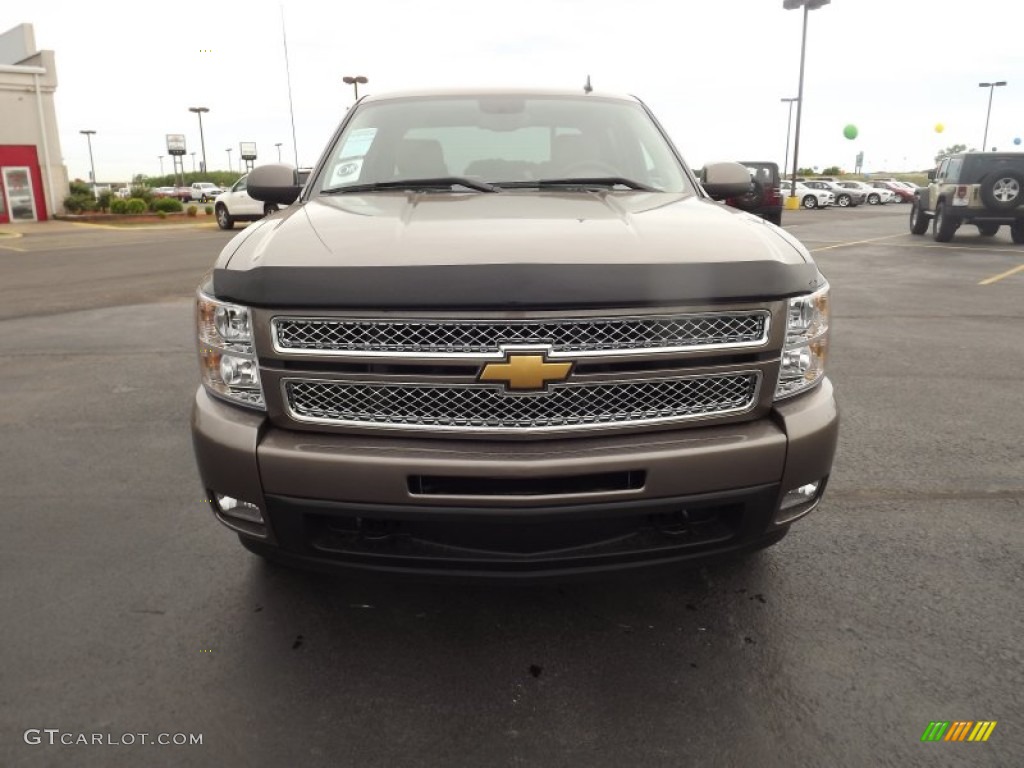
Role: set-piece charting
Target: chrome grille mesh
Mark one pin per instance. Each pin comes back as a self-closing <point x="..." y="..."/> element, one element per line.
<point x="563" y="335"/>
<point x="481" y="408"/>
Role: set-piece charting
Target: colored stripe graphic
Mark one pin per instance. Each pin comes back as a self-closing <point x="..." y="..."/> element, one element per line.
<point x="958" y="730"/>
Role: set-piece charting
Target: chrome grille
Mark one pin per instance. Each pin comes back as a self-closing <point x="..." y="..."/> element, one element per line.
<point x="577" y="336"/>
<point x="472" y="407"/>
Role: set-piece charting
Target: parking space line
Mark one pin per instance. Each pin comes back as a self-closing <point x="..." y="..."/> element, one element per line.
<point x="12" y="248"/>
<point x="857" y="242"/>
<point x="1007" y="273"/>
<point x="964" y="247"/>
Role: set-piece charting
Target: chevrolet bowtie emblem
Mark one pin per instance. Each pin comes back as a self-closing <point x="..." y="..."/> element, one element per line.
<point x="522" y="373"/>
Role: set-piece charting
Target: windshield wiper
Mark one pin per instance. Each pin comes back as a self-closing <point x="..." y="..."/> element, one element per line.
<point x="597" y="181"/>
<point x="414" y="184"/>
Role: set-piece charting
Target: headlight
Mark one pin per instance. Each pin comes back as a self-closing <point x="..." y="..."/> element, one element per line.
<point x="806" y="348"/>
<point x="227" y="358"/>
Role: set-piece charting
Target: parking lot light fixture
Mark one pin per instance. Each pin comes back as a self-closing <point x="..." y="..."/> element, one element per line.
<point x="991" y="89"/>
<point x="202" y="141"/>
<point x="229" y="159"/>
<point x="278" y="145"/>
<point x="161" y="159"/>
<point x="808" y="6"/>
<point x="354" y="81"/>
<point x="92" y="165"/>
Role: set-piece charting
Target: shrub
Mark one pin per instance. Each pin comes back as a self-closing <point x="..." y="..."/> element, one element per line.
<point x="192" y="210"/>
<point x="209" y="210"/>
<point x="167" y="205"/>
<point x="79" y="187"/>
<point x="119" y="206"/>
<point x="162" y="214"/>
<point x="80" y="202"/>
<point x="136" y="205"/>
<point x="141" y="193"/>
<point x="104" y="200"/>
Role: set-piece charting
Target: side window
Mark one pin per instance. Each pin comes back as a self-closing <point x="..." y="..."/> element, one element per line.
<point x="240" y="185"/>
<point x="941" y="173"/>
<point x="953" y="169"/>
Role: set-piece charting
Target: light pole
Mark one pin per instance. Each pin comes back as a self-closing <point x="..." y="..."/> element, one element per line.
<point x="193" y="162"/>
<point x="92" y="165"/>
<point x="161" y="159"/>
<point x="278" y="145"/>
<point x="789" y="127"/>
<point x="202" y="141"/>
<point x="354" y="82"/>
<point x="229" y="158"/>
<point x="991" y="89"/>
<point x="808" y="6"/>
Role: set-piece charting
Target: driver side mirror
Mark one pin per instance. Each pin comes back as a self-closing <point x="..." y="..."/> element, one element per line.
<point x="931" y="175"/>
<point x="274" y="184"/>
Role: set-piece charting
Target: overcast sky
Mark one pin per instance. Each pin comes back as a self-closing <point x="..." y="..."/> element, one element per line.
<point x="713" y="71"/>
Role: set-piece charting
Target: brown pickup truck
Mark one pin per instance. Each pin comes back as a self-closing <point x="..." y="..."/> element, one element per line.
<point x="509" y="334"/>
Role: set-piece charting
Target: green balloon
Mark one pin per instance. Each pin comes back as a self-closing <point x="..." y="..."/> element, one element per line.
<point x="850" y="131"/>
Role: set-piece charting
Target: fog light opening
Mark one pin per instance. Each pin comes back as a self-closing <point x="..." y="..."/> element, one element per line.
<point x="242" y="510"/>
<point x="798" y="502"/>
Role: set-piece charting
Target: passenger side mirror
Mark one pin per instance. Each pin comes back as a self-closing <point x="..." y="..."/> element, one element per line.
<point x="722" y="180"/>
<point x="931" y="175"/>
<point x="274" y="184"/>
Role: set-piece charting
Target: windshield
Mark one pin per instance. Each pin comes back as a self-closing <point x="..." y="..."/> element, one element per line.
<point x="502" y="139"/>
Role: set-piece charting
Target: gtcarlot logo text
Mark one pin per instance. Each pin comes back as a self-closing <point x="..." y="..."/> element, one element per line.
<point x="55" y="736"/>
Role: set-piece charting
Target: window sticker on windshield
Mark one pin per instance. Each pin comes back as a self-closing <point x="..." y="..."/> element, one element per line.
<point x="346" y="170"/>
<point x="358" y="142"/>
<point x="349" y="160"/>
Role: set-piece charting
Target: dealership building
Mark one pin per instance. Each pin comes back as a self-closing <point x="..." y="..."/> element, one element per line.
<point x="33" y="179"/>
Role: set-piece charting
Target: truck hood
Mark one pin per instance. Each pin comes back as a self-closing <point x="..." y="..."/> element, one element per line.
<point x="535" y="249"/>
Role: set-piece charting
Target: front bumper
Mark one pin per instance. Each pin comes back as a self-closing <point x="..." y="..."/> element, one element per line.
<point x="516" y="510"/>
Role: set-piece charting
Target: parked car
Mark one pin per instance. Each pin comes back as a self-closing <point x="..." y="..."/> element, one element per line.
<point x="845" y="198"/>
<point x="573" y="361"/>
<point x="903" y="195"/>
<point x="873" y="195"/>
<point x="236" y="205"/>
<point x="202" y="191"/>
<point x="184" y="194"/>
<point x="809" y="197"/>
<point x="764" y="198"/>
<point x="981" y="188"/>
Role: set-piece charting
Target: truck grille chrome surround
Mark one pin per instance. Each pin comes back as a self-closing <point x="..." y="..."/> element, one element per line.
<point x="488" y="409"/>
<point x="576" y="337"/>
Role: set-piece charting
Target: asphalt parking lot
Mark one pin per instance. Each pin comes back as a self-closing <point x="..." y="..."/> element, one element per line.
<point x="126" y="609"/>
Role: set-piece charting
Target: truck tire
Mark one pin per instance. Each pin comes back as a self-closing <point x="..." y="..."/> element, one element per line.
<point x="1002" y="190"/>
<point x="918" y="219"/>
<point x="988" y="229"/>
<point x="943" y="226"/>
<point x="1017" y="232"/>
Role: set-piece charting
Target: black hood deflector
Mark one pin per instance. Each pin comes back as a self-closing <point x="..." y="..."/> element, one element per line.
<point x="514" y="286"/>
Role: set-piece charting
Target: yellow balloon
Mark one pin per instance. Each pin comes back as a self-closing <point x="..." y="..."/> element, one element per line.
<point x="939" y="127"/>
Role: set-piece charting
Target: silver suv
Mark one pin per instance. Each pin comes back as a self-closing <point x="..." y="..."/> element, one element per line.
<point x="985" y="189"/>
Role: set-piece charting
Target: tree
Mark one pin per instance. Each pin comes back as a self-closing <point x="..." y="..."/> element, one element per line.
<point x="833" y="170"/>
<point x="949" y="151"/>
